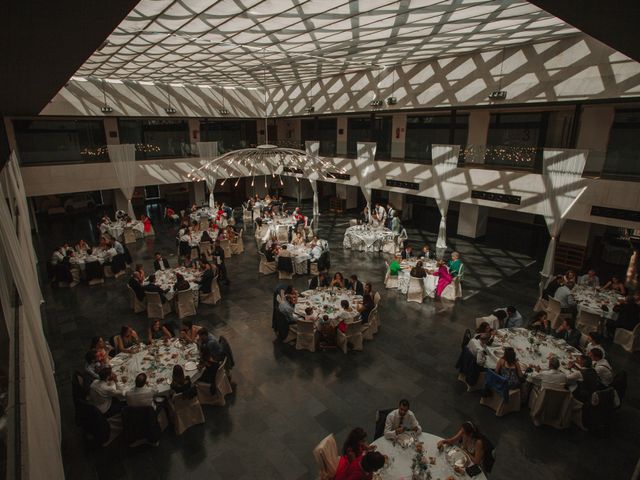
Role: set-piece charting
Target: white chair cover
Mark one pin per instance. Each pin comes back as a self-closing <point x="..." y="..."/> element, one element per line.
<point x="185" y="304"/>
<point x="326" y="456"/>
<point x="306" y="339"/>
<point x="415" y="293"/>
<point x="184" y="412"/>
<point x="155" y="307"/>
<point x="136" y="305"/>
<point x="353" y="335"/>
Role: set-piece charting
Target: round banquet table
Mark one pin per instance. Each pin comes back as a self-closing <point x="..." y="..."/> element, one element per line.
<point x="592" y="300"/>
<point x="301" y="255"/>
<point x="401" y="456"/>
<point x="116" y="229"/>
<point x="367" y="238"/>
<point x="204" y="212"/>
<point x="430" y="281"/>
<point x="166" y="279"/>
<point x="273" y="224"/>
<point x="157" y="361"/>
<point x="326" y="301"/>
<point x="80" y="258"/>
<point x="528" y="355"/>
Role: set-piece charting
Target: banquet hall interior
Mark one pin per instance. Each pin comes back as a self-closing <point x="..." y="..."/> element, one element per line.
<point x="319" y="239"/>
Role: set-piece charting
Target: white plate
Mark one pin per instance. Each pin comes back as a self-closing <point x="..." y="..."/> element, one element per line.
<point x="190" y="366"/>
<point x="115" y="361"/>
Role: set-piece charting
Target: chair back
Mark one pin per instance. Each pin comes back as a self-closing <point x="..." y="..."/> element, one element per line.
<point x="204" y="223"/>
<point x="226" y="246"/>
<point x="154" y="305"/>
<point x="353" y="328"/>
<point x="129" y="236"/>
<point x="326" y="456"/>
<point x="552" y="407"/>
<point x="186" y="412"/>
<point x="206" y="248"/>
<point x="554" y="306"/>
<point x="93" y="270"/>
<point x="588" y="321"/>
<point x="282" y="233"/>
<point x="186" y="306"/>
<point x="376" y="298"/>
<point x="285" y="264"/>
<point x="305" y="327"/>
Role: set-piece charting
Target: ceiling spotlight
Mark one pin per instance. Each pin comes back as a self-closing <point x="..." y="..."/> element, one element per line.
<point x="376" y="103"/>
<point x="106" y="109"/>
<point x="498" y="95"/>
<point x="223" y="111"/>
<point x="310" y="109"/>
<point x="392" y="101"/>
<point x="170" y="110"/>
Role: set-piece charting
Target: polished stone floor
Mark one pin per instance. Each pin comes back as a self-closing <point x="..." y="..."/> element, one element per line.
<point x="286" y="401"/>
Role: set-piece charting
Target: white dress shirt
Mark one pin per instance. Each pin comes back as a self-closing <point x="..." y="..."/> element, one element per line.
<point x="478" y="350"/>
<point x="141" y="397"/>
<point x="394" y="421"/>
<point x="119" y="248"/>
<point x="588" y="281"/>
<point x="550" y="377"/>
<point x="563" y="295"/>
<point x="57" y="257"/>
<point x="101" y="393"/>
<point x="604" y="371"/>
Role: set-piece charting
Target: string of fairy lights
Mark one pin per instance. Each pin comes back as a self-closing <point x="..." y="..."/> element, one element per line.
<point x="266" y="160"/>
<point x="100" y="151"/>
<point x="505" y="153"/>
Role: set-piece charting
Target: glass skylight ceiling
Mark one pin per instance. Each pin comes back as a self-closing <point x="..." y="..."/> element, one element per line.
<point x="228" y="42"/>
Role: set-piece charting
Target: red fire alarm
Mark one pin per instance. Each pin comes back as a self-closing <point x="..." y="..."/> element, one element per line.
<point x="195" y="134"/>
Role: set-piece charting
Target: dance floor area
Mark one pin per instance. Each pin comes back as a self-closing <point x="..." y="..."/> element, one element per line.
<point x="286" y="401"/>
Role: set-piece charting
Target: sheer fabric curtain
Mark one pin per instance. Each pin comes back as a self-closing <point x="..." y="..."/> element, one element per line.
<point x="365" y="168"/>
<point x="563" y="184"/>
<point x="313" y="149"/>
<point x="39" y="407"/>
<point x="208" y="151"/>
<point x="445" y="161"/>
<point x="123" y="158"/>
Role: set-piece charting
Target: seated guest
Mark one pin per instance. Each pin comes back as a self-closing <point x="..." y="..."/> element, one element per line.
<point x="142" y="394"/>
<point x="425" y="252"/>
<point x="615" y="285"/>
<point x="338" y="280"/>
<point x="157" y="331"/>
<point x="364" y="216"/>
<point x="152" y="287"/>
<point x="356" y="285"/>
<point x="564" y="296"/>
<point x="455" y="264"/>
<point x="104" y="393"/>
<point x="189" y="331"/>
<point x="110" y="252"/>
<point x="139" y="273"/>
<point x="269" y="253"/>
<point x="283" y="252"/>
<point x="363" y="467"/>
<point x="206" y="280"/>
<point x="418" y="271"/>
<point x="181" y="383"/>
<point x="82" y="246"/>
<point x="401" y="420"/>
<point x="444" y="278"/>
<point x="160" y="263"/>
<point x="136" y="285"/>
<point x="569" y="333"/>
<point x="570" y="279"/>
<point x="552" y="286"/>
<point x="210" y="364"/>
<point x="471" y="441"/>
<point x="102" y="349"/>
<point x="594" y="340"/>
<point x="90" y="257"/>
<point x="298" y="239"/>
<point x="602" y="367"/>
<point x="628" y="314"/>
<point x="58" y="256"/>
<point x="407" y="253"/>
<point x="287" y="308"/>
<point x="319" y="281"/>
<point x="541" y="322"/>
<point x="346" y="315"/>
<point x="394" y="267"/>
<point x="206" y="237"/>
<point x="326" y="331"/>
<point x="181" y="284"/>
<point x="316" y="250"/>
<point x="353" y="449"/>
<point x="589" y="279"/>
<point x="583" y="379"/>
<point x="513" y="319"/>
<point x="208" y="342"/>
<point x="367" y="304"/>
<point x="127" y="340"/>
<point x="509" y="368"/>
<point x="477" y="347"/>
<point x="309" y="316"/>
<point x="484" y="327"/>
<point x="91" y="365"/>
<point x="553" y="376"/>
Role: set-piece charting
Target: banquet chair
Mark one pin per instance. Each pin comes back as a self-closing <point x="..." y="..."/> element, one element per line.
<point x="353" y="222"/>
<point x="247" y="216"/>
<point x="129" y="235"/>
<point x="285" y="268"/>
<point x="282" y="233"/>
<point x="226" y="246"/>
<point x="453" y="291"/>
<point x="185" y="304"/>
<point x="94" y="273"/>
<point x="373" y="324"/>
<point x="118" y="265"/>
<point x="107" y="270"/>
<point x="204" y="223"/>
<point x="415" y="292"/>
<point x="326" y="456"/>
<point x="194" y="253"/>
<point x="554" y="312"/>
<point x="390" y="247"/>
<point x="265" y="267"/>
<point x="492" y="320"/>
<point x="541" y="304"/>
<point x="628" y="339"/>
<point x="588" y="322"/>
<point x="551" y="406"/>
<point x="184" y="412"/>
<point x="352" y="335"/>
<point x="306" y="336"/>
<point x="237" y="246"/>
<point x="390" y="281"/>
<point x="214" y="394"/>
<point x="141" y="426"/>
<point x="136" y="305"/>
<point x="155" y="307"/>
<point x="214" y="296"/>
<point x="206" y="249"/>
<point x="495" y="399"/>
<point x="376" y="298"/>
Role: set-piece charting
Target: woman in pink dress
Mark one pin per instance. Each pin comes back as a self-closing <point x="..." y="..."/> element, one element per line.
<point x="444" y="278"/>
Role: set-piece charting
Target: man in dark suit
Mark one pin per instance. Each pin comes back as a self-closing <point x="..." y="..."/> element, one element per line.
<point x="569" y="333"/>
<point x="356" y="285"/>
<point x="206" y="279"/>
<point x="136" y="286"/>
<point x="181" y="284"/>
<point x="425" y="252"/>
<point x="319" y="281"/>
<point x="152" y="287"/>
<point x="407" y="253"/>
<point x="218" y="257"/>
<point x="160" y="263"/>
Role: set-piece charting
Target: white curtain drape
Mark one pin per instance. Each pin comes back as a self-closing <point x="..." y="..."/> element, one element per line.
<point x="123" y="158"/>
<point x="39" y="407"/>
<point x="364" y="169"/>
<point x="562" y="176"/>
<point x="313" y="149"/>
<point x="445" y="161"/>
<point x="208" y="151"/>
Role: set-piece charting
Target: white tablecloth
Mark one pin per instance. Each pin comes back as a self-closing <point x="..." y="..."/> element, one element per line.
<point x="79" y="259"/>
<point x="591" y="300"/>
<point x="400" y="459"/>
<point x="166" y="279"/>
<point x="430" y="281"/>
<point x="275" y="223"/>
<point x="301" y="255"/>
<point x="204" y="212"/>
<point x="527" y="354"/>
<point x="116" y="229"/>
<point x="326" y="301"/>
<point x="157" y="361"/>
<point x="366" y="238"/>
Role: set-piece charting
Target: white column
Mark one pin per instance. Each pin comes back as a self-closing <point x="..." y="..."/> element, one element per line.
<point x="472" y="220"/>
<point x="595" y="125"/>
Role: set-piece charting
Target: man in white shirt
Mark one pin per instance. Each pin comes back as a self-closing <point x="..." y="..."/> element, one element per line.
<point x="590" y="279"/>
<point x="552" y="377"/>
<point x="401" y="420"/>
<point x="141" y="395"/>
<point x="514" y="318"/>
<point x="601" y="366"/>
<point x="104" y="393"/>
<point x="57" y="256"/>
<point x="118" y="246"/>
<point x="564" y="296"/>
<point x="477" y="346"/>
<point x="90" y="257"/>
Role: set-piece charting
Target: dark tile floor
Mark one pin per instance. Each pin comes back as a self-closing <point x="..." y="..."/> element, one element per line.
<point x="286" y="401"/>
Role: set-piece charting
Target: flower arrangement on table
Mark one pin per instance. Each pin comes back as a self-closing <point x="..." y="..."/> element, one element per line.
<point x="420" y="464"/>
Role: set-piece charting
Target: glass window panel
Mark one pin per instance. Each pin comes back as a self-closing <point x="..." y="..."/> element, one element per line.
<point x="514" y="139"/>
<point x="624" y="144"/>
<point x="156" y="138"/>
<point x="423" y="131"/>
<point x="361" y="129"/>
<point x="230" y="134"/>
<point x="60" y="141"/>
<point x="322" y="129"/>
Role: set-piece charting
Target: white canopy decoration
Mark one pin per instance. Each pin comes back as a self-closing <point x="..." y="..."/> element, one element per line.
<point x="364" y="169"/>
<point x="123" y="158"/>
<point x="208" y="151"/>
<point x="562" y="176"/>
<point x="445" y="161"/>
<point x="313" y="149"/>
<point x="38" y="407"/>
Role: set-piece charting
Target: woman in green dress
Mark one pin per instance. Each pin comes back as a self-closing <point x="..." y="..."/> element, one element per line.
<point x="395" y="267"/>
<point x="455" y="264"/>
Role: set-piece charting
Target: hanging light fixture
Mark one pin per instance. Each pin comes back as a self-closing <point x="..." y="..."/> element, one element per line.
<point x="105" y="108"/>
